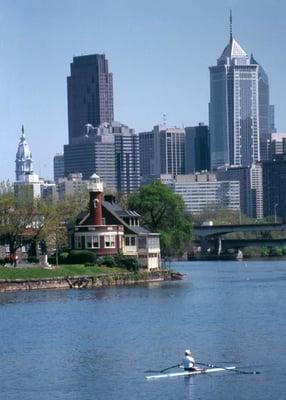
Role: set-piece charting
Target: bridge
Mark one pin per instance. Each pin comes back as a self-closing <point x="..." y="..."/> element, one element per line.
<point x="209" y="236"/>
<point x="203" y="231"/>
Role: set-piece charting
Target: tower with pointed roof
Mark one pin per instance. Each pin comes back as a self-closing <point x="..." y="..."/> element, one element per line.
<point x="234" y="108"/>
<point x="24" y="162"/>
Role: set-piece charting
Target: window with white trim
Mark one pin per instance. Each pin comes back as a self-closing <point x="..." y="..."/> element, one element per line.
<point x="88" y="242"/>
<point x="109" y="241"/>
<point x="77" y="242"/>
<point x="95" y="242"/>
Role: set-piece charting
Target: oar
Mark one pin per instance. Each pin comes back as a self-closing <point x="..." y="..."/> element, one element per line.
<point x="165" y="369"/>
<point x="233" y="370"/>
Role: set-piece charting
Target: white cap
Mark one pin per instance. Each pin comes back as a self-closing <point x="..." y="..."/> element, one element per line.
<point x="188" y="351"/>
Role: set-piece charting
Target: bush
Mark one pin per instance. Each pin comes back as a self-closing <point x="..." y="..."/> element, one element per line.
<point x="108" y="261"/>
<point x="81" y="257"/>
<point x="89" y="265"/>
<point x="2" y="261"/>
<point x="33" y="259"/>
<point x="130" y="263"/>
<point x="276" y="251"/>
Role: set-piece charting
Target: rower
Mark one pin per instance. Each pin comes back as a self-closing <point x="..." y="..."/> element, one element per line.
<point x="189" y="362"/>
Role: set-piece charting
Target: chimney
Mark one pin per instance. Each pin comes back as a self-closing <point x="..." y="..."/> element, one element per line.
<point x="95" y="188"/>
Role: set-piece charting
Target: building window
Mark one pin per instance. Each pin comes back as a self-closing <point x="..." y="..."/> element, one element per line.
<point x="77" y="242"/>
<point x="88" y="242"/>
<point x="133" y="241"/>
<point x="109" y="241"/>
<point x="95" y="242"/>
<point x="127" y="241"/>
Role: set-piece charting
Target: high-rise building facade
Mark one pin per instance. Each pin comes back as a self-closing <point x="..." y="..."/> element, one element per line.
<point x="90" y="93"/>
<point x="109" y="150"/>
<point x="202" y="192"/>
<point x="251" y="188"/>
<point x="277" y="146"/>
<point x="197" y="149"/>
<point x="162" y="151"/>
<point x="263" y="104"/>
<point x="274" y="189"/>
<point x="234" y="108"/>
<point x="272" y="119"/>
<point x="59" y="167"/>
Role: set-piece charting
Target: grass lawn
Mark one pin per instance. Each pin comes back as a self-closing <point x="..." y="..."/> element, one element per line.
<point x="37" y="272"/>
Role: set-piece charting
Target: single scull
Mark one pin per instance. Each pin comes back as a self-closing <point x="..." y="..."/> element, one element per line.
<point x="189" y="373"/>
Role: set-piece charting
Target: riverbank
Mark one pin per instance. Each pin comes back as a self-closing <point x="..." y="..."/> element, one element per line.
<point x="95" y="280"/>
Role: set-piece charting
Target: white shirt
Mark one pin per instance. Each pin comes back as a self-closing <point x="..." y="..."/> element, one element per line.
<point x="188" y="362"/>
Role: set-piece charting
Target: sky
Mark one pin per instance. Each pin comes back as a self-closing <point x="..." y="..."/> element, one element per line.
<point x="159" y="52"/>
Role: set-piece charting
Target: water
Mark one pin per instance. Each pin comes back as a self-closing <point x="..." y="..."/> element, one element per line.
<point x="96" y="344"/>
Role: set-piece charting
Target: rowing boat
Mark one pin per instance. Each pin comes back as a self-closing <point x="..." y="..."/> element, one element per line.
<point x="189" y="373"/>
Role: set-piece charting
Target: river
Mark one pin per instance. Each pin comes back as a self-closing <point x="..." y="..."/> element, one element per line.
<point x="96" y="344"/>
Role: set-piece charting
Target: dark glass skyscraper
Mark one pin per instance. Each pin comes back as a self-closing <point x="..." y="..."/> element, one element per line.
<point x="197" y="148"/>
<point x="90" y="93"/>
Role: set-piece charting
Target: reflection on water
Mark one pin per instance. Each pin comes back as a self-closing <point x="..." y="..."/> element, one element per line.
<point x="87" y="344"/>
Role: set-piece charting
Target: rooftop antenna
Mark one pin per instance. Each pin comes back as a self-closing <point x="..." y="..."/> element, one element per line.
<point x="164" y="119"/>
<point x="230" y="25"/>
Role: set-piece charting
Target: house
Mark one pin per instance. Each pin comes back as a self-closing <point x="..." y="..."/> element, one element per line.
<point x="108" y="229"/>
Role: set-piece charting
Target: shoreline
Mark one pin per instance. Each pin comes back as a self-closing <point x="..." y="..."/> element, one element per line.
<point x="88" y="282"/>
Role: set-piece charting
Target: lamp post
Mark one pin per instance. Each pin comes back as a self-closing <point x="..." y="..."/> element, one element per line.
<point x="275" y="212"/>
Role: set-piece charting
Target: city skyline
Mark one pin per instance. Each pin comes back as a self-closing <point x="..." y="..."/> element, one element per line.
<point x="146" y="83"/>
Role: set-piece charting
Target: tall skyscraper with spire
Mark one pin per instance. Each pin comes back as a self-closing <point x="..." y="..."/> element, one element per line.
<point x="234" y="107"/>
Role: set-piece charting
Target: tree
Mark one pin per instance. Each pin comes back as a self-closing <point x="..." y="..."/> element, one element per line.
<point x="24" y="221"/>
<point x="164" y="212"/>
<point x="19" y="222"/>
<point x="57" y="215"/>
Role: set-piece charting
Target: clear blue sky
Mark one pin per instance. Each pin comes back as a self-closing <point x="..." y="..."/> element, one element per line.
<point x="158" y="50"/>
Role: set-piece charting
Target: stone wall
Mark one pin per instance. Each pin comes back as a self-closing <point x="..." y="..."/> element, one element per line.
<point x="88" y="282"/>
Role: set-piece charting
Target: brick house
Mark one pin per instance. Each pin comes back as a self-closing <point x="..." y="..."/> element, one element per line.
<point x="108" y="229"/>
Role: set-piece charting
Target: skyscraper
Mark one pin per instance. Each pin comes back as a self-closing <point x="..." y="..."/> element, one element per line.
<point x="162" y="151"/>
<point x="90" y="93"/>
<point x="59" y="167"/>
<point x="197" y="151"/>
<point x="263" y="103"/>
<point x="110" y="150"/>
<point x="234" y="108"/>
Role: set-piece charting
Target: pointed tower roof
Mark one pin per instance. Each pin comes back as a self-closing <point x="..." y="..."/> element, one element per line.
<point x="233" y="51"/>
<point x="23" y="152"/>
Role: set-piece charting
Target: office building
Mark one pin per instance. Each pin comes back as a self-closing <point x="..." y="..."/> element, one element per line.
<point x="202" y="192"/>
<point x="272" y="119"/>
<point x="71" y="185"/>
<point x="162" y="151"/>
<point x="234" y="108"/>
<point x="251" y="188"/>
<point x="110" y="150"/>
<point x="274" y="189"/>
<point x="197" y="148"/>
<point x="264" y="108"/>
<point x="59" y="167"/>
<point x="277" y="146"/>
<point x="90" y="94"/>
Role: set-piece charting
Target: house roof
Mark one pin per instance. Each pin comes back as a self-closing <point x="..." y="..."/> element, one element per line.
<point x="119" y="213"/>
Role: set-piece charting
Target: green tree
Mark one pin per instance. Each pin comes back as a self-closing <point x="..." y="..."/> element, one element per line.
<point x="19" y="222"/>
<point x="57" y="215"/>
<point x="164" y="212"/>
<point x="24" y="221"/>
